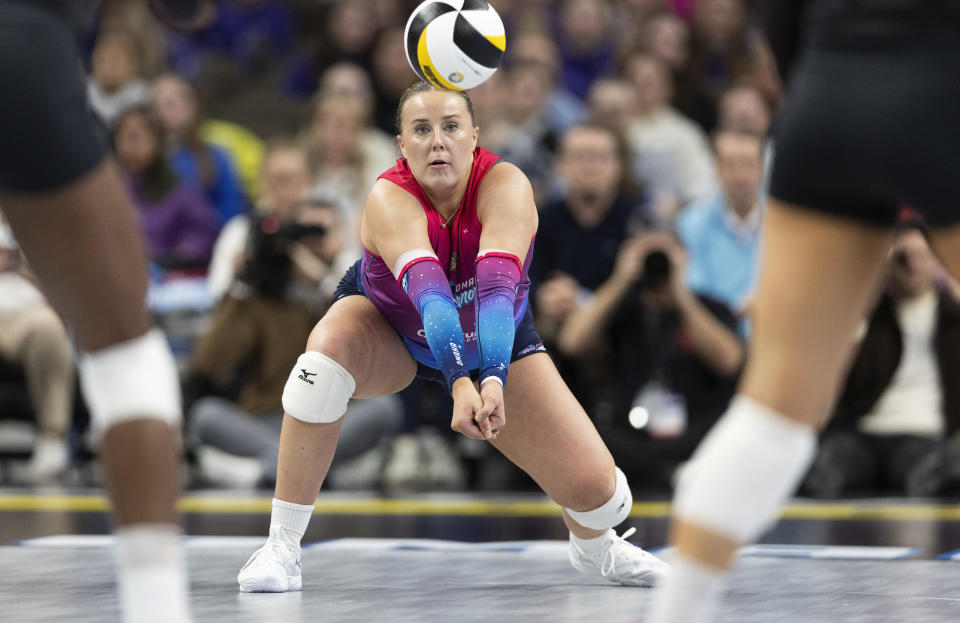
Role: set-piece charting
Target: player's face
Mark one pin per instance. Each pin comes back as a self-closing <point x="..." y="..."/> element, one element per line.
<point x="437" y="137"/>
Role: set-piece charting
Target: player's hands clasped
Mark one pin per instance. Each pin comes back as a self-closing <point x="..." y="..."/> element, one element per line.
<point x="491" y="418"/>
<point x="477" y="415"/>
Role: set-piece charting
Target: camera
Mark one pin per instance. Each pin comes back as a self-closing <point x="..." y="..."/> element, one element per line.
<point x="656" y="270"/>
<point x="268" y="266"/>
<point x="900" y="258"/>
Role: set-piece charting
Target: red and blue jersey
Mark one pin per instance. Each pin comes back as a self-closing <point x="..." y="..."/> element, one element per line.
<point x="456" y="246"/>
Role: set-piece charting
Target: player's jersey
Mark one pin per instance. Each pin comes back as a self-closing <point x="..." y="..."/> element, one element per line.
<point x="456" y="247"/>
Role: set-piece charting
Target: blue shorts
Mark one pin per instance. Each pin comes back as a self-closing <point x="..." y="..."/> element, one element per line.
<point x="526" y="339"/>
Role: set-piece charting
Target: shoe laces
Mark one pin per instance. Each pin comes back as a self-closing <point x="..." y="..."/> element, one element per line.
<point x="615" y="543"/>
<point x="286" y="555"/>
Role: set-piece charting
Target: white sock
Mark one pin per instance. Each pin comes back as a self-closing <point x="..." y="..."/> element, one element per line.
<point x="591" y="546"/>
<point x="690" y="594"/>
<point x="151" y="574"/>
<point x="288" y="521"/>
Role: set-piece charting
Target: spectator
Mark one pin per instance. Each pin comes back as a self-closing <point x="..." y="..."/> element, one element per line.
<point x="667" y="37"/>
<point x="536" y="47"/>
<point x="586" y="44"/>
<point x="899" y="401"/>
<point x="727" y="51"/>
<point x="743" y="109"/>
<point x="203" y="165"/>
<point x="392" y="75"/>
<point x="670" y="153"/>
<point x="578" y="238"/>
<point x="722" y="233"/>
<point x="612" y="102"/>
<point x="348" y="32"/>
<point x="33" y="338"/>
<point x="241" y="364"/>
<point x="675" y="358"/>
<point x="522" y="134"/>
<point x="285" y="182"/>
<point x="178" y="223"/>
<point x="115" y="81"/>
<point x="346" y="157"/>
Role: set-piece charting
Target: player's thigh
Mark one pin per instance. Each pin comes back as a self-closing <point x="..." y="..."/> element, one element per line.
<point x="819" y="273"/>
<point x="550" y="436"/>
<point x="357" y="336"/>
<point x="84" y="244"/>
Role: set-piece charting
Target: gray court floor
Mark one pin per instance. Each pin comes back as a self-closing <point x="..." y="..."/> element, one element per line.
<point x="354" y="580"/>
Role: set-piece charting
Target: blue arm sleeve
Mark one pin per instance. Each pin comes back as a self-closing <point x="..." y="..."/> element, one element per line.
<point x="426" y="285"/>
<point x="497" y="277"/>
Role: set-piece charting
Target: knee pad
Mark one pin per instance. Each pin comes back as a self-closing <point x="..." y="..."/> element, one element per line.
<point x="744" y="471"/>
<point x="135" y="379"/>
<point x="318" y="389"/>
<point x="611" y="512"/>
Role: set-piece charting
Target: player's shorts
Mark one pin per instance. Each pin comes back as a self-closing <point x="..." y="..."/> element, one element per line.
<point x="48" y="134"/>
<point x="865" y="133"/>
<point x="526" y="339"/>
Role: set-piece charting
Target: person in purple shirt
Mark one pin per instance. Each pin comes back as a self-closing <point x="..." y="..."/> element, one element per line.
<point x="176" y="220"/>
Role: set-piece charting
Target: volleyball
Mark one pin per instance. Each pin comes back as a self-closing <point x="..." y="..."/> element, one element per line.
<point x="454" y="44"/>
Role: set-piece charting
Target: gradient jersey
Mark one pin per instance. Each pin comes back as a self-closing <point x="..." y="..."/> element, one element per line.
<point x="456" y="247"/>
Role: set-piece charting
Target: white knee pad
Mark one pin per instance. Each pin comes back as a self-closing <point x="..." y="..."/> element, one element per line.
<point x="743" y="471"/>
<point x="134" y="379"/>
<point x="318" y="389"/>
<point x="611" y="512"/>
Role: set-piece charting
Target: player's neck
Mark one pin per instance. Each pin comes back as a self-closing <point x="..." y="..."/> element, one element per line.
<point x="447" y="201"/>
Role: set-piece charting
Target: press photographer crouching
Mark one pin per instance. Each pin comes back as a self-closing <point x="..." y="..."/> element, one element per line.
<point x="259" y="328"/>
<point x="675" y="358"/>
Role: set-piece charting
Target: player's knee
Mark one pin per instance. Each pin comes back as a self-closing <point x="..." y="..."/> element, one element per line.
<point x="318" y="389"/>
<point x="133" y="379"/>
<point x="343" y="345"/>
<point x="611" y="510"/>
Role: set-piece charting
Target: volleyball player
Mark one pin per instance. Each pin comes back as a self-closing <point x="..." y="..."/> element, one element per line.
<point x="67" y="205"/>
<point x="451" y="226"/>
<point x="870" y="124"/>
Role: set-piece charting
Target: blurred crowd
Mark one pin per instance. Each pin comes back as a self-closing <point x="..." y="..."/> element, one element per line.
<point x="248" y="147"/>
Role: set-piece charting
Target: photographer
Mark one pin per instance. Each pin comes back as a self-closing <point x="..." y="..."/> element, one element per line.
<point x="896" y="424"/>
<point x="241" y="364"/>
<point x="675" y="358"/>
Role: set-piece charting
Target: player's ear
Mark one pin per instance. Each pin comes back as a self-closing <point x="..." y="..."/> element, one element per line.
<point x="400" y="145"/>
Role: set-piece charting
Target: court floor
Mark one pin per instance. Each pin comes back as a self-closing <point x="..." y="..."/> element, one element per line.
<point x="472" y="558"/>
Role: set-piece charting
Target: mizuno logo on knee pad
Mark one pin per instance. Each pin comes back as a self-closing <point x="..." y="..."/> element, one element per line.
<point x="304" y="374"/>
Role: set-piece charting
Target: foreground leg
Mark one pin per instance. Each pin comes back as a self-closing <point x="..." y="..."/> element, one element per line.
<point x="819" y="274"/>
<point x="84" y="245"/>
<point x="549" y="436"/>
<point x="353" y="351"/>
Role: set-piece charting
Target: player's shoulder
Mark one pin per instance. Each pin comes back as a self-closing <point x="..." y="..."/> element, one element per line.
<point x="387" y="198"/>
<point x="505" y="175"/>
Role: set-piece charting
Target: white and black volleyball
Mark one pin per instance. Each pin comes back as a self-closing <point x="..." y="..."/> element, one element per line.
<point x="454" y="44"/>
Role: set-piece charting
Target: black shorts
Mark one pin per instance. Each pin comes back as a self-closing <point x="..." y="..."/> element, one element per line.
<point x="48" y="134"/>
<point x="526" y="339"/>
<point x="865" y="133"/>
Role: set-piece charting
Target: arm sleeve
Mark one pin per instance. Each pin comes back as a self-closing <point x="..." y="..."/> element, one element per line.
<point x="498" y="273"/>
<point x="424" y="281"/>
